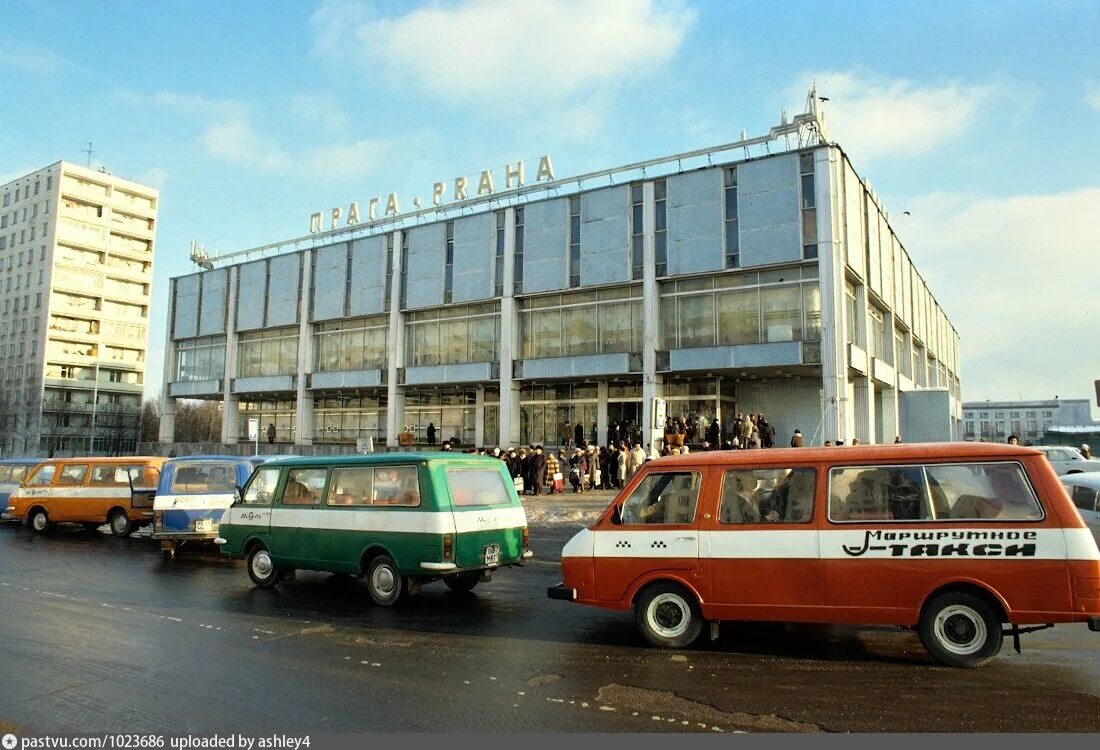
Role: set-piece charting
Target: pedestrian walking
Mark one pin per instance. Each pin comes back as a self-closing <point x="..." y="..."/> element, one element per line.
<point x="431" y="433"/>
<point x="539" y="466"/>
<point x="271" y="433"/>
<point x="566" y="434"/>
<point x="578" y="434"/>
<point x="796" y="439"/>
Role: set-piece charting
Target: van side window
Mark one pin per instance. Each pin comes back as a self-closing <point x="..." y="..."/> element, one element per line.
<point x="980" y="491"/>
<point x="261" y="488"/>
<point x="18" y="472"/>
<point x="5" y="473"/>
<point x="666" y="497"/>
<point x="396" y="485"/>
<point x="304" y="486"/>
<point x="116" y="476"/>
<point x="767" y="496"/>
<point x="878" y="493"/>
<point x="350" y="486"/>
<point x="73" y="475"/>
<point x="43" y="476"/>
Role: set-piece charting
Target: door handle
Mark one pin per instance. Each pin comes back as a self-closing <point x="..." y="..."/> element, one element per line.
<point x="685" y="538"/>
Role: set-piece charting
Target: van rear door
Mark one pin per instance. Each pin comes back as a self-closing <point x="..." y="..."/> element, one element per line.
<point x="488" y="515"/>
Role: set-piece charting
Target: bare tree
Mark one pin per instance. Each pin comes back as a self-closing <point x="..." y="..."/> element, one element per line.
<point x="150" y="421"/>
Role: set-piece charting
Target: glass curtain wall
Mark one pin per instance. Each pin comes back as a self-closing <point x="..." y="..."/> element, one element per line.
<point x="279" y="413"/>
<point x="340" y="418"/>
<point x="601" y="321"/>
<point x="492" y="417"/>
<point x="544" y="410"/>
<point x="453" y="414"/>
<point x="200" y="359"/>
<point x="264" y="353"/>
<point x="354" y="344"/>
<point x="742" y="308"/>
<point x="453" y="335"/>
<point x="699" y="400"/>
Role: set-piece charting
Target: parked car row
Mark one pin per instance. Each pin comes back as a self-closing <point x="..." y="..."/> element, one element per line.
<point x="963" y="543"/>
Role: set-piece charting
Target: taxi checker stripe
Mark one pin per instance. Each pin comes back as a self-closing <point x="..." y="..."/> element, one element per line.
<point x="374" y="519"/>
<point x="1050" y="543"/>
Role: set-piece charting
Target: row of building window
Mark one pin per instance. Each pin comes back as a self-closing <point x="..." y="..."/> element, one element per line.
<point x="27" y="191"/>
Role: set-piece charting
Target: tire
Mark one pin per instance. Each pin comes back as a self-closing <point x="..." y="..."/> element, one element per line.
<point x="384" y="581"/>
<point x="668" y="615"/>
<point x="121" y="525"/>
<point x="38" y="521"/>
<point x="261" y="568"/>
<point x="462" y="583"/>
<point x="960" y="630"/>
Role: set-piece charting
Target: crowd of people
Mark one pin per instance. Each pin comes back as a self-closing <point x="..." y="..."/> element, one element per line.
<point x="587" y="467"/>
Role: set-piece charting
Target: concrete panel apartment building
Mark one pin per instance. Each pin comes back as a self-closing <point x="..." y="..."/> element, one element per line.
<point x="757" y="276"/>
<point x="76" y="265"/>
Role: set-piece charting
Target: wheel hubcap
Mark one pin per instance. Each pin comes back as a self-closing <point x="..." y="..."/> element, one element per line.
<point x="960" y="630"/>
<point x="120" y="523"/>
<point x="39" y="521"/>
<point x="384" y="580"/>
<point x="669" y="615"/>
<point x="261" y="565"/>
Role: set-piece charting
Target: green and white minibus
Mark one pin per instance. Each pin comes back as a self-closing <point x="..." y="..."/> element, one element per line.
<point x="399" y="520"/>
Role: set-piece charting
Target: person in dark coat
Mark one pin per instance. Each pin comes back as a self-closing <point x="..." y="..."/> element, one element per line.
<point x="767" y="432"/>
<point x="796" y="439"/>
<point x="431" y="433"/>
<point x="538" y="470"/>
<point x="578" y="468"/>
<point x="714" y="433"/>
<point x="578" y="434"/>
<point x="271" y="432"/>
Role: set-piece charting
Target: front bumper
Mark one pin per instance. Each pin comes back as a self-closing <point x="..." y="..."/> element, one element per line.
<point x="561" y="591"/>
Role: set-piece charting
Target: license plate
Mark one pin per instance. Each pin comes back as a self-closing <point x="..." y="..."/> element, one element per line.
<point x="492" y="554"/>
<point x="204" y="526"/>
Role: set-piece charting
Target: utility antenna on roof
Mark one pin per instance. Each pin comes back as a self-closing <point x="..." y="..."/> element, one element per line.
<point x="88" y="150"/>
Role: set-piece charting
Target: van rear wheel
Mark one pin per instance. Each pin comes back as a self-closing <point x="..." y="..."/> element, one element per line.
<point x="38" y="521"/>
<point x="121" y="525"/>
<point x="668" y="615"/>
<point x="261" y="567"/>
<point x="960" y="629"/>
<point x="384" y="581"/>
<point x="462" y="583"/>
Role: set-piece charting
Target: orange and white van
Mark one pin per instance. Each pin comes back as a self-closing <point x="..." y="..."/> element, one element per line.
<point x="90" y="491"/>
<point x="964" y="542"/>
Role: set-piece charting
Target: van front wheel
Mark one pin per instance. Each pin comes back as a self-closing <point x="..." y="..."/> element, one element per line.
<point x="261" y="568"/>
<point x="39" y="521"/>
<point x="121" y="525"/>
<point x="960" y="630"/>
<point x="384" y="581"/>
<point x="668" y="616"/>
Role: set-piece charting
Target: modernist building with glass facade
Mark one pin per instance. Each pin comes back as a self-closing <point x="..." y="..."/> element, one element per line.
<point x="76" y="265"/>
<point x="758" y="276"/>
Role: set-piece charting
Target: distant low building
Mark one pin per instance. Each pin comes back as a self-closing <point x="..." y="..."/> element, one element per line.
<point x="994" y="421"/>
<point x="1074" y="435"/>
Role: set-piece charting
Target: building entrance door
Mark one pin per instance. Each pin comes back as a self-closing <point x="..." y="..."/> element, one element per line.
<point x="628" y="415"/>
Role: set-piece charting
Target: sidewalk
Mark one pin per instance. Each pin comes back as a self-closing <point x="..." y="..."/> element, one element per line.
<point x="571" y="508"/>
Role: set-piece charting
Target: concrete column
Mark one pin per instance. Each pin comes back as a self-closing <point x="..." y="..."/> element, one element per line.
<point x="651" y="328"/>
<point x="167" y="432"/>
<point x="395" y="352"/>
<point x="834" y="348"/>
<point x="303" y="397"/>
<point x="479" y="417"/>
<point x="601" y="412"/>
<point x="509" y="339"/>
<point x="229" y="401"/>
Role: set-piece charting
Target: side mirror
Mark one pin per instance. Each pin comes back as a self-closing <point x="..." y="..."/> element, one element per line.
<point x="236" y="496"/>
<point x="617" y="515"/>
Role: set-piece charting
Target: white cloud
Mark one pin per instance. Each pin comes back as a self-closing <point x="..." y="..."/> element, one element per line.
<point x="236" y="142"/>
<point x="154" y="177"/>
<point x="872" y="116"/>
<point x="1092" y="96"/>
<point x="1015" y="276"/>
<point x="502" y="51"/>
<point x="347" y="160"/>
<point x="320" y="109"/>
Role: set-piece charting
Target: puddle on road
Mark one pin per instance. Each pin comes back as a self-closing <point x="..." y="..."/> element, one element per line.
<point x="665" y="703"/>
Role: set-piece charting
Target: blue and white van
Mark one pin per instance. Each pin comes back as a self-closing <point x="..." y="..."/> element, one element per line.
<point x="193" y="493"/>
<point x="12" y="473"/>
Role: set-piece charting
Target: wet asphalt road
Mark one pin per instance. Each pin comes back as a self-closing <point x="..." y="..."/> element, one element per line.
<point x="102" y="634"/>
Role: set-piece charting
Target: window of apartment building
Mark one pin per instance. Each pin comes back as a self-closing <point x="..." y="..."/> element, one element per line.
<point x="809" y="206"/>
<point x="881" y="345"/>
<point x="733" y="242"/>
<point x="7" y="199"/>
<point x="388" y="291"/>
<point x="3" y="221"/>
<point x="851" y="313"/>
<point x="498" y="257"/>
<point x="637" y="235"/>
<point x="449" y="264"/>
<point x="353" y="344"/>
<point x="601" y="321"/>
<point x="37" y="185"/>
<point x="459" y="335"/>
<point x="265" y="353"/>
<point x="517" y="284"/>
<point x="660" y="239"/>
<point x="31" y="238"/>
<point x="574" y="242"/>
<point x="34" y="211"/>
<point x="49" y="182"/>
<point x="3" y="243"/>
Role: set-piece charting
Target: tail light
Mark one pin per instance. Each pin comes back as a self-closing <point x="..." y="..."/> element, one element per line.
<point x="525" y="537"/>
<point x="448" y="546"/>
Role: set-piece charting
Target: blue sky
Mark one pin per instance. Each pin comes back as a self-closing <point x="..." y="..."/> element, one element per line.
<point x="978" y="118"/>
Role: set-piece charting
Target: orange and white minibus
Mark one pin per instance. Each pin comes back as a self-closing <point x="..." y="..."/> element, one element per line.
<point x="963" y="542"/>
<point x="91" y="491"/>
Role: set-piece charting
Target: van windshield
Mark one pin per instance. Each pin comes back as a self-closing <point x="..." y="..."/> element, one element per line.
<point x="204" y="479"/>
<point x="477" y="487"/>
